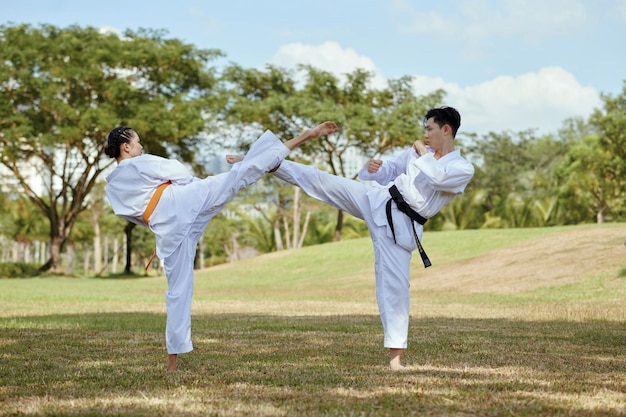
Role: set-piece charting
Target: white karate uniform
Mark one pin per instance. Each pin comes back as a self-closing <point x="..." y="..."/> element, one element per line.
<point x="182" y="214"/>
<point x="426" y="184"/>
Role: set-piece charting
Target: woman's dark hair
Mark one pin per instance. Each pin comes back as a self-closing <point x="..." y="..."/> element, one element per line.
<point x="445" y="116"/>
<point x="117" y="136"/>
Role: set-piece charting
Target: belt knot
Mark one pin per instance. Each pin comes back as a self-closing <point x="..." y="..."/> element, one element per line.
<point x="404" y="207"/>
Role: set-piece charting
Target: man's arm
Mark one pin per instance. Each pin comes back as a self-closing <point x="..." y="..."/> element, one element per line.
<point x="383" y="172"/>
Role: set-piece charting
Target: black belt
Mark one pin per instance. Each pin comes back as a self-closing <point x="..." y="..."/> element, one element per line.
<point x="413" y="215"/>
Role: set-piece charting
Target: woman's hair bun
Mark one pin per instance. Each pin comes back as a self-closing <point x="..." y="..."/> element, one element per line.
<point x="115" y="138"/>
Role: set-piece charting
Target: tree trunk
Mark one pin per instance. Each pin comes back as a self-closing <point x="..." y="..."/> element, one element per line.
<point x="15" y="246"/>
<point x="27" y="252"/>
<point x="69" y="267"/>
<point x="232" y="254"/>
<point x="305" y="227"/>
<point x="86" y="262"/>
<point x="116" y="255"/>
<point x="600" y="216"/>
<point x="277" y="235"/>
<point x="297" y="202"/>
<point x="43" y="252"/>
<point x="54" y="263"/>
<point x="339" y="226"/>
<point x="200" y="255"/>
<point x="128" y="231"/>
<point x="287" y="235"/>
<point x="97" y="249"/>
<point x="105" y="255"/>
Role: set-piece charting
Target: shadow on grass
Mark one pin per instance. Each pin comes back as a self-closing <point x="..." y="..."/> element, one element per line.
<point x="125" y="276"/>
<point x="268" y="365"/>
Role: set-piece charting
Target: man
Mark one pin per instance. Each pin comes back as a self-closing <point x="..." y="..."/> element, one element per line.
<point x="418" y="183"/>
<point x="161" y="194"/>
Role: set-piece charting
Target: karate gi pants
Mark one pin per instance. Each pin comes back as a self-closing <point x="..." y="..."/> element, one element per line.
<point x="265" y="154"/>
<point x="391" y="261"/>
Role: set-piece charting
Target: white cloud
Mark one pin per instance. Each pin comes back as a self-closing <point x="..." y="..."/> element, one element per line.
<point x="106" y="30"/>
<point x="329" y="56"/>
<point x="539" y="100"/>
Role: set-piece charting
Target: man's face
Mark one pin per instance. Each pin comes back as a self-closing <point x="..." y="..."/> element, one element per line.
<point x="433" y="133"/>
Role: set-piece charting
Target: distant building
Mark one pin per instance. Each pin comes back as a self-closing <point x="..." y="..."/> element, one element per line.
<point x="34" y="178"/>
<point x="353" y="160"/>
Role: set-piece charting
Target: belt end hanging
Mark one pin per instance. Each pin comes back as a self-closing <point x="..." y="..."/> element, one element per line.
<point x="151" y="259"/>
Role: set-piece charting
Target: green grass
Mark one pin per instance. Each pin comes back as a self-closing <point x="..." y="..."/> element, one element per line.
<point x="298" y="334"/>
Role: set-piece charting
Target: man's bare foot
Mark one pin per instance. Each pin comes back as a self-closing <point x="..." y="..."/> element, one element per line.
<point x="233" y="159"/>
<point x="394" y="359"/>
<point x="171" y="363"/>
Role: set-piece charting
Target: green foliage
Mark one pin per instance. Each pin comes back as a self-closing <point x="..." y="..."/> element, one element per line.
<point x="592" y="174"/>
<point x="610" y="124"/>
<point x="63" y="89"/>
<point x="19" y="220"/>
<point x="372" y="121"/>
<point x="217" y="237"/>
<point x="18" y="270"/>
<point x="514" y="184"/>
<point x="143" y="244"/>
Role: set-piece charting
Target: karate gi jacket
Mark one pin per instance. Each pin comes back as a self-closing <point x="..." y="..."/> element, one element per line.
<point x="426" y="184"/>
<point x="133" y="182"/>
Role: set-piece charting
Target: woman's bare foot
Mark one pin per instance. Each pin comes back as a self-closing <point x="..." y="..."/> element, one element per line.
<point x="322" y="129"/>
<point x="171" y="363"/>
<point x="394" y="359"/>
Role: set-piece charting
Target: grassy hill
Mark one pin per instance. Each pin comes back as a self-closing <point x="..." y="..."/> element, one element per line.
<point x="474" y="272"/>
<point x="482" y="269"/>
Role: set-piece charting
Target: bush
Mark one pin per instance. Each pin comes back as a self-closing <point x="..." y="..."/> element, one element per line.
<point x="18" y="269"/>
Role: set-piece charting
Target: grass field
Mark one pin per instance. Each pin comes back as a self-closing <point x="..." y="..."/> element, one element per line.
<point x="522" y="322"/>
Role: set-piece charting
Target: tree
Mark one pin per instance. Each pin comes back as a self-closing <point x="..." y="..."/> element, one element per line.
<point x="62" y="90"/>
<point x="587" y="186"/>
<point x="19" y="221"/>
<point x="610" y="124"/>
<point x="514" y="178"/>
<point x="373" y="121"/>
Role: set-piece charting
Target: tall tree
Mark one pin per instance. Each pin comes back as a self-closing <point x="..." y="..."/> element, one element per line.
<point x="62" y="90"/>
<point x="513" y="179"/>
<point x="373" y="121"/>
<point x="610" y="124"/>
<point x="587" y="177"/>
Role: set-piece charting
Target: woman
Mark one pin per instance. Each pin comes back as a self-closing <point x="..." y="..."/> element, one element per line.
<point x="162" y="194"/>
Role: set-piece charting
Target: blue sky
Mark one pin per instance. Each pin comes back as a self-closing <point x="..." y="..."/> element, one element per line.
<point x="508" y="65"/>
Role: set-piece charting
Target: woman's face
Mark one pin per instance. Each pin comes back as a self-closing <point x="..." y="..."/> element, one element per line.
<point x="134" y="147"/>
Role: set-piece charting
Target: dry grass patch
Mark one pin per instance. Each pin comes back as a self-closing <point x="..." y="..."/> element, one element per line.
<point x="553" y="259"/>
<point x="259" y="365"/>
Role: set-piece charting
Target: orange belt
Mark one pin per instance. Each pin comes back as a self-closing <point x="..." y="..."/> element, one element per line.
<point x="154" y="200"/>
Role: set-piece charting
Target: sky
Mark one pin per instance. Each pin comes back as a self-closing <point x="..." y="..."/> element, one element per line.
<point x="506" y="65"/>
